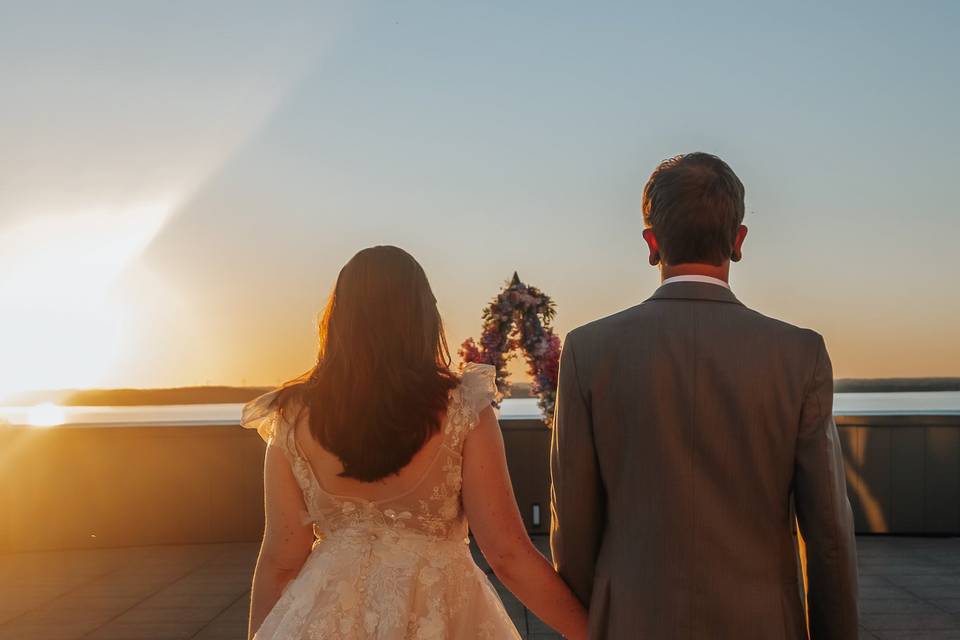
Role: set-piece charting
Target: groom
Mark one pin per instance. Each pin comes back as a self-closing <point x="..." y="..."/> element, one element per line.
<point x="691" y="435"/>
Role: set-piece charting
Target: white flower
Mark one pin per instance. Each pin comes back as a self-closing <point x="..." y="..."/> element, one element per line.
<point x="370" y="621"/>
<point x="348" y="596"/>
<point x="320" y="627"/>
<point x="429" y="576"/>
<point x="430" y="628"/>
<point x="394" y="557"/>
<point x="454" y="479"/>
<point x="449" y="509"/>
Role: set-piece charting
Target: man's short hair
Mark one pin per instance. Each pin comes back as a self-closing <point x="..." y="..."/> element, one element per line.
<point x="694" y="204"/>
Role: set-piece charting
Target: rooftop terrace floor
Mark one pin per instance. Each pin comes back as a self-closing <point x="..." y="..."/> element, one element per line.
<point x="910" y="589"/>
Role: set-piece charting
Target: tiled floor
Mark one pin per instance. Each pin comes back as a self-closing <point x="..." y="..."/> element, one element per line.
<point x="910" y="588"/>
<point x="910" y="591"/>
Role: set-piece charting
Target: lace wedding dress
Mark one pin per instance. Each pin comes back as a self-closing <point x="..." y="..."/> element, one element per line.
<point x="389" y="569"/>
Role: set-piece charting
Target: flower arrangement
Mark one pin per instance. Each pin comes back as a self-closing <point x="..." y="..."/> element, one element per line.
<point x="519" y="318"/>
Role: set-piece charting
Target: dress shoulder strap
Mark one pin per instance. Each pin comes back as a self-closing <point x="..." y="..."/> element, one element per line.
<point x="265" y="415"/>
<point x="477" y="391"/>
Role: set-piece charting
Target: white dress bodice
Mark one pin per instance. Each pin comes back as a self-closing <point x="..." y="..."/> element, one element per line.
<point x="392" y="568"/>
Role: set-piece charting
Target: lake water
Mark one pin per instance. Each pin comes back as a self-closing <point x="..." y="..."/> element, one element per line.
<point x="902" y="403"/>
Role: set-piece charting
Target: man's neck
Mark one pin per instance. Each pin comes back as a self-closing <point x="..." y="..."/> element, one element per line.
<point x="720" y="272"/>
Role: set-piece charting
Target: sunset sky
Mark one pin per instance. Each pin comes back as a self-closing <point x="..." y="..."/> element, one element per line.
<point x="181" y="182"/>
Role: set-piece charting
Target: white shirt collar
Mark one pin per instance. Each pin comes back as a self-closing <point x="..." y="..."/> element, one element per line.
<point x="695" y="278"/>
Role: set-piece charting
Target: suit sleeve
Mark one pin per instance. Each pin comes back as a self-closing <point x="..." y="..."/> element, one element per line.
<point x="577" y="499"/>
<point x="823" y="512"/>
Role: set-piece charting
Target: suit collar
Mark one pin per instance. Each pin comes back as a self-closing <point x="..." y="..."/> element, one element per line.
<point x="694" y="291"/>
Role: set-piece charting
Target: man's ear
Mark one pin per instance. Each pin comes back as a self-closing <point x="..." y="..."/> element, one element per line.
<point x="654" y="246"/>
<point x="737" y="254"/>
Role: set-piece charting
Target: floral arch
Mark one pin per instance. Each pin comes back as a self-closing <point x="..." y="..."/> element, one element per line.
<point x="519" y="319"/>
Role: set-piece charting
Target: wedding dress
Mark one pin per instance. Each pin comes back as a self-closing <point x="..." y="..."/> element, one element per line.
<point x="389" y="569"/>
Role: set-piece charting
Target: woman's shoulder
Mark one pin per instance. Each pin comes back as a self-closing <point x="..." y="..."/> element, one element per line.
<point x="478" y="385"/>
<point x="477" y="391"/>
<point x="271" y="414"/>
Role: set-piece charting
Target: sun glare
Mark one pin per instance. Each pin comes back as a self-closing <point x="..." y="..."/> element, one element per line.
<point x="63" y="318"/>
<point x="47" y="414"/>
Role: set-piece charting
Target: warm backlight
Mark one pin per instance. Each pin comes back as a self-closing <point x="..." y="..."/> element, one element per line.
<point x="63" y="317"/>
<point x="47" y="414"/>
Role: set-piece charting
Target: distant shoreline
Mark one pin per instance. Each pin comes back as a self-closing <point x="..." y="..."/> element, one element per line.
<point x="236" y="395"/>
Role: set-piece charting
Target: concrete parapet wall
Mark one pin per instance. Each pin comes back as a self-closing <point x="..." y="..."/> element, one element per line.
<point x="84" y="487"/>
<point x="77" y="487"/>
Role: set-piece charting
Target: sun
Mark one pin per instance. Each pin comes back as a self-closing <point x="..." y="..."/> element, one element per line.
<point x="46" y="414"/>
<point x="63" y="319"/>
<point x="45" y="349"/>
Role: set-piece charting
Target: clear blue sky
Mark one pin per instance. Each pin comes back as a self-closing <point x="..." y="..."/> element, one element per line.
<point x="200" y="171"/>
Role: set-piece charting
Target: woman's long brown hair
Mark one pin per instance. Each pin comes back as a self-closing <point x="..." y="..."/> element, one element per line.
<point x="382" y="380"/>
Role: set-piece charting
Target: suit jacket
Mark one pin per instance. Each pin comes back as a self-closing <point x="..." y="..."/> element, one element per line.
<point x="691" y="436"/>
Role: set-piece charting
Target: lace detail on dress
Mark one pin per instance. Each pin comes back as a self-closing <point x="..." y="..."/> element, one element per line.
<point x="262" y="414"/>
<point x="475" y="393"/>
<point x="479" y="385"/>
<point x="389" y="569"/>
<point x="388" y="585"/>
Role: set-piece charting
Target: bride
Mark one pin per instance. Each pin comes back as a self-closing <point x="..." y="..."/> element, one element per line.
<point x="377" y="459"/>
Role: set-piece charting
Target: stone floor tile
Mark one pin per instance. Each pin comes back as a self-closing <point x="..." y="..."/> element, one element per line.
<point x="950" y="605"/>
<point x="173" y="598"/>
<point x="935" y="592"/>
<point x="885" y="593"/>
<point x="910" y="581"/>
<point x="897" y="605"/>
<point x="171" y="629"/>
<point x="936" y="634"/>
<point x="909" y="621"/>
<point x="72" y="630"/>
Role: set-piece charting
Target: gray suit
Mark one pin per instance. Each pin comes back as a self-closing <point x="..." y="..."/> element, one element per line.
<point x="686" y="430"/>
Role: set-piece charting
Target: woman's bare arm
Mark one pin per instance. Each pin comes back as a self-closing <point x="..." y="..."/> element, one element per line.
<point x="286" y="540"/>
<point x="496" y="524"/>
